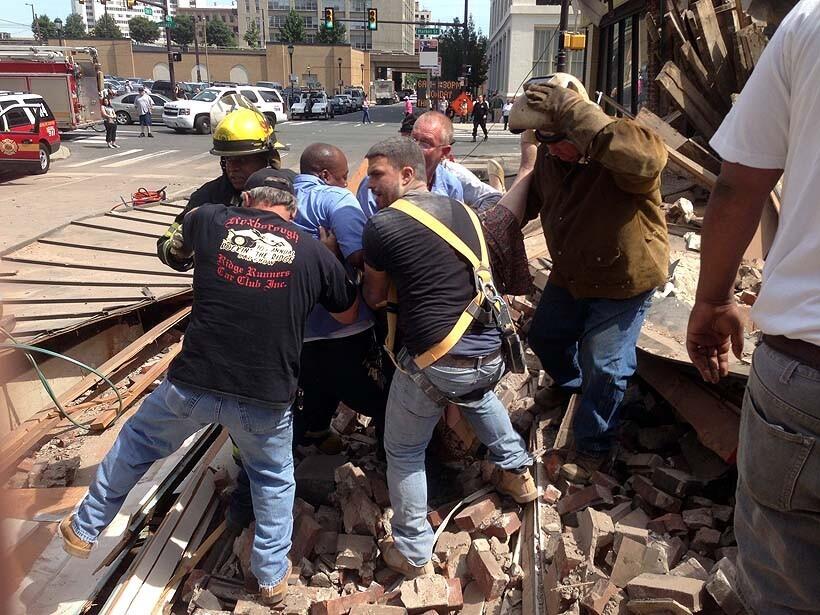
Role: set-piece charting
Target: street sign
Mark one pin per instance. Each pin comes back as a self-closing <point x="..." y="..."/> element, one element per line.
<point x="168" y="22"/>
<point x="294" y="78"/>
<point x="436" y="71"/>
<point x="148" y="10"/>
<point x="428" y="31"/>
<point x="428" y="53"/>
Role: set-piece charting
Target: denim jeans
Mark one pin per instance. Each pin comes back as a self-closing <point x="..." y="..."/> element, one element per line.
<point x="589" y="344"/>
<point x="168" y="416"/>
<point x="777" y="508"/>
<point x="411" y="418"/>
<point x="366" y="116"/>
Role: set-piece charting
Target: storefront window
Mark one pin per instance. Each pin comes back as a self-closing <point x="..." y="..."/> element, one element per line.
<point x="623" y="77"/>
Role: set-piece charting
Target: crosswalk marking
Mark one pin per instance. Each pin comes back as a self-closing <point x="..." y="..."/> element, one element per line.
<point x="143" y="158"/>
<point x="381" y="125"/>
<point x="186" y="161"/>
<point x="98" y="160"/>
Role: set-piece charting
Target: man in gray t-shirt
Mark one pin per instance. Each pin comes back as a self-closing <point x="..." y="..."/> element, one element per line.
<point x="143" y="106"/>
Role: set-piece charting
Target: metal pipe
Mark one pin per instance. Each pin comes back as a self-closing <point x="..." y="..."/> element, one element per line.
<point x="196" y="53"/>
<point x="168" y="47"/>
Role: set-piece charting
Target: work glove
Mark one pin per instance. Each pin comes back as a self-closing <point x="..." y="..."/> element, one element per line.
<point x="566" y="112"/>
<point x="176" y="246"/>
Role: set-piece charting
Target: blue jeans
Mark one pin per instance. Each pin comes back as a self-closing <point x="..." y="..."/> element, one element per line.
<point x="366" y="116"/>
<point x="589" y="344"/>
<point x="411" y="418"/>
<point x="777" y="508"/>
<point x="168" y="416"/>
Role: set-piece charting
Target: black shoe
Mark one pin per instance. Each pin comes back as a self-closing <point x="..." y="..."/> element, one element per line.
<point x="150" y="134"/>
<point x="473" y="139"/>
<point x="141" y="135"/>
<point x="485" y="137"/>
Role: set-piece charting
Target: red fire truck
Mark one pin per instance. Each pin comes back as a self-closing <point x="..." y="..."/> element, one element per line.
<point x="70" y="79"/>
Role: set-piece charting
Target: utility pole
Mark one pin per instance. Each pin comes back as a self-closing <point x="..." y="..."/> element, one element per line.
<point x="168" y="46"/>
<point x="465" y="21"/>
<point x="196" y="53"/>
<point x="34" y="22"/>
<point x="561" y="59"/>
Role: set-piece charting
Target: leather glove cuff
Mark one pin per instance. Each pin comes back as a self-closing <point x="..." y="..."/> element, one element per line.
<point x="581" y="123"/>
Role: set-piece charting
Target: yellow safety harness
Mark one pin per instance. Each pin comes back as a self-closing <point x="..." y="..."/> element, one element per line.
<point x="485" y="287"/>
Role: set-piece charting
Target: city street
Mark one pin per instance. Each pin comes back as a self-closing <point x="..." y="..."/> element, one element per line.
<point x="94" y="177"/>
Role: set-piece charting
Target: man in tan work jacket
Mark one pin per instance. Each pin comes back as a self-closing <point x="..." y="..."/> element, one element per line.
<point x="596" y="187"/>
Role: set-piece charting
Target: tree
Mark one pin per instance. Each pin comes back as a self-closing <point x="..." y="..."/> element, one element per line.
<point x="456" y="50"/>
<point x="220" y="34"/>
<point x="293" y="30"/>
<point x="336" y="36"/>
<point x="74" y="26"/>
<point x="183" y="31"/>
<point x="43" y="28"/>
<point x="143" y="30"/>
<point x="106" y="27"/>
<point x="252" y="36"/>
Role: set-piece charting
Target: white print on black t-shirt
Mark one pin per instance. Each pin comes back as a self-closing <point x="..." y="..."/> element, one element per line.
<point x="260" y="248"/>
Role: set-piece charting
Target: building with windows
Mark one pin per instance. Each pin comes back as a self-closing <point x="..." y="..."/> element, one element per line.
<point x="205" y="14"/>
<point x="391" y="38"/>
<point x="523" y="43"/>
<point x="92" y="10"/>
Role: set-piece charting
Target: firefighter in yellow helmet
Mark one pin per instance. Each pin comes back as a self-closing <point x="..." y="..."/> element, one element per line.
<point x="245" y="141"/>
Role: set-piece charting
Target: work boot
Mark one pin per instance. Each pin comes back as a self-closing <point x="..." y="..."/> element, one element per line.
<point x="73" y="544"/>
<point x="394" y="560"/>
<point x="275" y="594"/>
<point x="517" y="484"/>
<point x="553" y="396"/>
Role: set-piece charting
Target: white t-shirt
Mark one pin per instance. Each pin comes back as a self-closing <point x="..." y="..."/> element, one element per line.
<point x="775" y="124"/>
<point x="143" y="104"/>
<point x="506" y="108"/>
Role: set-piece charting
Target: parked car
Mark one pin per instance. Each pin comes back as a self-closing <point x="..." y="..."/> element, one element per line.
<point x="127" y="113"/>
<point x="312" y="104"/>
<point x="195" y="114"/>
<point x="357" y="95"/>
<point x="271" y="85"/>
<point x="341" y="104"/>
<point x="197" y="86"/>
<point x="28" y="133"/>
<point x="163" y="86"/>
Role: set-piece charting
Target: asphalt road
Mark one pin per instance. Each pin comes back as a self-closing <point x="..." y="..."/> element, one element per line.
<point x="94" y="177"/>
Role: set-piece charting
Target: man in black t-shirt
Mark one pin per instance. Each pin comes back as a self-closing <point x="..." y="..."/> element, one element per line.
<point x="256" y="279"/>
<point x="480" y="112"/>
<point x="434" y="285"/>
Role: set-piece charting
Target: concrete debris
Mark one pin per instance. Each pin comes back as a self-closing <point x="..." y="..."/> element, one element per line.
<point x="722" y="587"/>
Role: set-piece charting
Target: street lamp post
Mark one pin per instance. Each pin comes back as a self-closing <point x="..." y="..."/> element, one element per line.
<point x="290" y="77"/>
<point x="58" y="23"/>
<point x="340" y="75"/>
<point x="196" y="52"/>
<point x="309" y="79"/>
<point x="362" y="67"/>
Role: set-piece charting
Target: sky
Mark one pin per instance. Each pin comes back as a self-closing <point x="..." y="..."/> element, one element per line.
<point x="15" y="15"/>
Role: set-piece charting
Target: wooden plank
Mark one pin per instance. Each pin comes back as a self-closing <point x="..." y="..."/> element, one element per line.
<point x="136" y="217"/>
<point x="696" y="67"/>
<point x="31" y="432"/>
<point x="716" y="421"/>
<point x="149" y="213"/>
<point x="38" y="294"/>
<point x="564" y="439"/>
<point x="60" y="584"/>
<point x="715" y="47"/>
<point x="677" y="141"/>
<point x="41" y="504"/>
<point x="116" y="225"/>
<point x="13" y="533"/>
<point x="677" y="28"/>
<point x="687" y="97"/>
<point x="135" y="391"/>
<point x="35" y="274"/>
<point x="702" y="176"/>
<point x="64" y="311"/>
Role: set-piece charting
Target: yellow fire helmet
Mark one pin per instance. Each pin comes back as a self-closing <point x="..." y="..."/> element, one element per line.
<point x="242" y="131"/>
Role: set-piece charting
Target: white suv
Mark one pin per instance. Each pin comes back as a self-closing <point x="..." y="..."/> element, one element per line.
<point x="195" y="114"/>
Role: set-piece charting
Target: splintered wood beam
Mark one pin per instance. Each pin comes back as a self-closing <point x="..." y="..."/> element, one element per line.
<point x="689" y="99"/>
<point x="715" y="46"/>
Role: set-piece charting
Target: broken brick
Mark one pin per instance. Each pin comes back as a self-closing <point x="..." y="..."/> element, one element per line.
<point x="629" y="562"/>
<point x="315" y="480"/>
<point x="353" y="550"/>
<point x="473" y="600"/>
<point x="674" y="482"/>
<point x="343" y="604"/>
<point x="619" y="511"/>
<point x="450" y="542"/>
<point x="656" y="558"/>
<point x="455" y="596"/>
<point x="654" y="496"/>
<point x="326" y="543"/>
<point x="691" y="568"/>
<point x="436" y="517"/>
<point x="486" y="570"/>
<point x="723" y="514"/>
<point x="551" y="494"/>
<point x="604" y="480"/>
<point x="722" y="587"/>
<point x="595" y="531"/>
<point x="424" y="593"/>
<point x="697" y="518"/>
<point x="662" y="606"/>
<point x="360" y="514"/>
<point x="588" y="496"/>
<point x="377" y="609"/>
<point x="471" y="518"/>
<point x="380" y="493"/>
<point x="503" y="526"/>
<point x="350" y="478"/>
<point x="644" y="461"/>
<point x="670" y="523"/>
<point x="705" y="540"/>
<point x="686" y="591"/>
<point x="567" y="554"/>
<point x="249" y="607"/>
<point x="306" y="532"/>
<point x="598" y="596"/>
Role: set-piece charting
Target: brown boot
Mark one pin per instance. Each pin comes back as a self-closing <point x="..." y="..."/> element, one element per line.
<point x="394" y="560"/>
<point x="73" y="544"/>
<point x="275" y="594"/>
<point x="520" y="487"/>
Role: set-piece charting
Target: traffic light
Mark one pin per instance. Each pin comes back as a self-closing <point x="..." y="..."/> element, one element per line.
<point x="329" y="19"/>
<point x="176" y="56"/>
<point x="130" y="3"/>
<point x="372" y="19"/>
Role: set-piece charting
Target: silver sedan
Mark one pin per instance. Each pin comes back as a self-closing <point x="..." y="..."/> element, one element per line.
<point x="127" y="112"/>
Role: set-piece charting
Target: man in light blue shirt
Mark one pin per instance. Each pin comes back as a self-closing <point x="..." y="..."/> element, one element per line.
<point x="339" y="362"/>
<point x="433" y="131"/>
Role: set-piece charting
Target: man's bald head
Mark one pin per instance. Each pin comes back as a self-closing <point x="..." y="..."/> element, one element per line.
<point x="436" y="120"/>
<point x="325" y="161"/>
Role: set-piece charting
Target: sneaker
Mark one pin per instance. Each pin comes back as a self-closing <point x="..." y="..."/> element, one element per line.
<point x="73" y="544"/>
<point x="520" y="486"/>
<point x="109" y="145"/>
<point x="151" y="134"/>
<point x="115" y="145"/>
<point x="141" y="135"/>
<point x="485" y="137"/>
<point x="394" y="560"/>
<point x="275" y="594"/>
<point x="473" y="139"/>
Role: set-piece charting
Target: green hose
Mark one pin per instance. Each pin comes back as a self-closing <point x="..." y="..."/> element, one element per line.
<point x="28" y="349"/>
